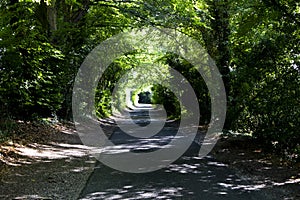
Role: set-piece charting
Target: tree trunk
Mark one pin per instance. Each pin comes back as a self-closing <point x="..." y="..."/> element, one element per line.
<point x="52" y="15"/>
<point x="217" y="39"/>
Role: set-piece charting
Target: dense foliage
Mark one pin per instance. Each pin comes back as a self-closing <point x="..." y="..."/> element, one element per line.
<point x="255" y="45"/>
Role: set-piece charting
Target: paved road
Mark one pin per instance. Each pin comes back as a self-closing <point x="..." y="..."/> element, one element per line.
<point x="189" y="177"/>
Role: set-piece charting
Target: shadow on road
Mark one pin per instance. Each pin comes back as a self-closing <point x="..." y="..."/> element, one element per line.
<point x="187" y="178"/>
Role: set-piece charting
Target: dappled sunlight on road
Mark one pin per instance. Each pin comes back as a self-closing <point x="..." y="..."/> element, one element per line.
<point x="150" y="193"/>
<point x="53" y="151"/>
<point x="188" y="177"/>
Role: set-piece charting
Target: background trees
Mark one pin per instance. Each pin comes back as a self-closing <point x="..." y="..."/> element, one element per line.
<point x="255" y="45"/>
<point x="265" y="71"/>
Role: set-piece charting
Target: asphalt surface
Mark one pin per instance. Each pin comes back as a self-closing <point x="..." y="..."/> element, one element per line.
<point x="189" y="177"/>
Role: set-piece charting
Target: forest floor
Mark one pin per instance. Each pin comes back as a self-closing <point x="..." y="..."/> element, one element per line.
<point x="248" y="158"/>
<point x="28" y="170"/>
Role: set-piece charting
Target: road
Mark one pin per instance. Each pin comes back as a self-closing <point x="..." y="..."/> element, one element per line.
<point x="189" y="177"/>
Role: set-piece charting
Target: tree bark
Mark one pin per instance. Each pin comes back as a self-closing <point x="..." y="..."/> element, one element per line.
<point x="52" y="15"/>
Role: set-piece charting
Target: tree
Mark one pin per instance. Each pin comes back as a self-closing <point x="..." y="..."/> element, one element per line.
<point x="254" y="45"/>
<point x="265" y="77"/>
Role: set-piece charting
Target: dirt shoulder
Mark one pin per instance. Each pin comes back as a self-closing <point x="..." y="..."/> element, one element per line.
<point x="248" y="158"/>
<point x="44" y="162"/>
